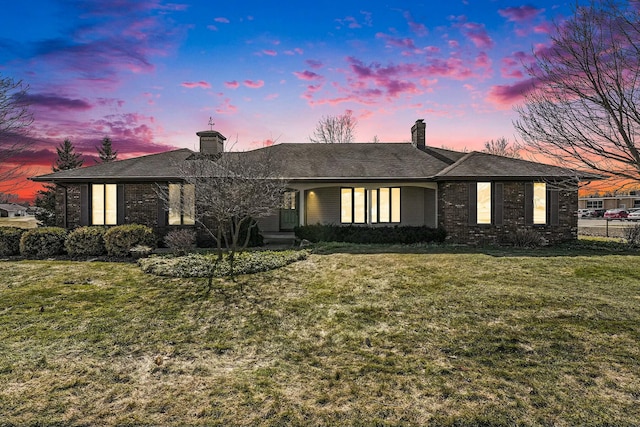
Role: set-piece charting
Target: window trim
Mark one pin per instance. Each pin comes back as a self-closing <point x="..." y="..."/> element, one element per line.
<point x="109" y="200"/>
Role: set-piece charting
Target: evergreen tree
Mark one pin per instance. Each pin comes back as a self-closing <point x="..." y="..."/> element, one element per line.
<point x="105" y="151"/>
<point x="46" y="198"/>
<point x="67" y="157"/>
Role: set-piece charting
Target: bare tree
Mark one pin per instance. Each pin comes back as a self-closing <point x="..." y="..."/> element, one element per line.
<point x="335" y="129"/>
<point x="501" y="147"/>
<point x="15" y="119"/>
<point x="582" y="110"/>
<point x="232" y="190"/>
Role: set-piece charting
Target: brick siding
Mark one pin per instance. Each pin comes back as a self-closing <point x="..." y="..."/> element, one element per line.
<point x="453" y="215"/>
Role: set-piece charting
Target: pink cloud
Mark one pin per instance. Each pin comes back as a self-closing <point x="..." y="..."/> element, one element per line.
<point x="192" y="85"/>
<point x="232" y="84"/>
<point x="478" y="35"/>
<point x="270" y="52"/>
<point x="543" y="28"/>
<point x="221" y="20"/>
<point x="520" y="14"/>
<point x="272" y="96"/>
<point x="307" y="75"/>
<point x="226" y="107"/>
<point x="296" y="51"/>
<point x="253" y="84"/>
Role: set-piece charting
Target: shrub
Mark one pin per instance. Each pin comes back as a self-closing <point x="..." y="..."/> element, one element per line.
<point x="181" y="241"/>
<point x="632" y="235"/>
<point x="86" y="241"/>
<point x="372" y="235"/>
<point x="207" y="265"/>
<point x="10" y="240"/>
<point x="43" y="242"/>
<point x="527" y="238"/>
<point x="121" y="239"/>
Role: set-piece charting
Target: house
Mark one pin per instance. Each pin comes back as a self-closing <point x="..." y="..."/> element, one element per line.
<point x="476" y="197"/>
<point x="12" y="210"/>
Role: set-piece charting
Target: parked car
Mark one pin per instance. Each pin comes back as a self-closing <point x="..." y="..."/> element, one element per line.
<point x="598" y="213"/>
<point x="616" y="214"/>
<point x="584" y="213"/>
<point x="634" y="216"/>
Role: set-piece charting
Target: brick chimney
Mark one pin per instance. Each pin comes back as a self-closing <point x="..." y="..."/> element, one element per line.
<point x="211" y="141"/>
<point x="418" y="134"/>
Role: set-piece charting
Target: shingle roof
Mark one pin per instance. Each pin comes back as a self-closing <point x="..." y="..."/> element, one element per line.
<point x="352" y="161"/>
<point x="150" y="167"/>
<point x="488" y="166"/>
<point x="366" y="161"/>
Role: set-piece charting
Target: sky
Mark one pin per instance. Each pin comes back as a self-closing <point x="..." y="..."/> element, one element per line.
<point x="149" y="74"/>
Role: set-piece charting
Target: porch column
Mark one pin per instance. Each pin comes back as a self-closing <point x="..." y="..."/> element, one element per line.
<point x="301" y="207"/>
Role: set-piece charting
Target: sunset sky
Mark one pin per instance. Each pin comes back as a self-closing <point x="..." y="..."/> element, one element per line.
<point x="149" y="73"/>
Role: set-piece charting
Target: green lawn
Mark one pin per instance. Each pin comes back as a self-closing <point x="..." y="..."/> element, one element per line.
<point x="411" y="337"/>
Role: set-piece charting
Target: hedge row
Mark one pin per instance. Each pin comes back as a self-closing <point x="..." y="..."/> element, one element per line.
<point x="368" y="234"/>
<point x="84" y="241"/>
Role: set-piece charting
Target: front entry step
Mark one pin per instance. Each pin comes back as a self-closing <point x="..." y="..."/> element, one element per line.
<point x="279" y="238"/>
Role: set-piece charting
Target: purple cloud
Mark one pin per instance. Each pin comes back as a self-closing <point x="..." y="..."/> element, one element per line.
<point x="232" y="84"/>
<point x="417" y="28"/>
<point x="221" y="20"/>
<point x="520" y="14"/>
<point x="57" y="102"/>
<point x="507" y="95"/>
<point x="405" y="43"/>
<point x="307" y="75"/>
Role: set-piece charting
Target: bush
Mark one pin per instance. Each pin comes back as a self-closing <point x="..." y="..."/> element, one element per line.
<point x="121" y="239"/>
<point x="43" y="242"/>
<point x="632" y="235"/>
<point x="371" y="235"/>
<point x="86" y="241"/>
<point x="10" y="240"/>
<point x="526" y="238"/>
<point x="181" y="241"/>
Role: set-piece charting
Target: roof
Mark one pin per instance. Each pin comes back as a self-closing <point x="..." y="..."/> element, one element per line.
<point x="353" y="161"/>
<point x="488" y="166"/>
<point x="334" y="162"/>
<point x="151" y="167"/>
<point x="11" y="207"/>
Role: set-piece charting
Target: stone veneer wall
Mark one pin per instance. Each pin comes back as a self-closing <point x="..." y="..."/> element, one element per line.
<point x="453" y="215"/>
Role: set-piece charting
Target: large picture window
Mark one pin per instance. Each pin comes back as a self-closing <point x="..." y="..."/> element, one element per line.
<point x="104" y="202"/>
<point x="182" y="204"/>
<point x="353" y="206"/>
<point x="385" y="205"/>
<point x="483" y="198"/>
<point x="539" y="203"/>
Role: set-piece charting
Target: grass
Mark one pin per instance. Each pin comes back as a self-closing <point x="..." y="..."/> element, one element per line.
<point x="355" y="336"/>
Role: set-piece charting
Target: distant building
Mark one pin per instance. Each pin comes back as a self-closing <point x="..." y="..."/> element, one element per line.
<point x="630" y="199"/>
<point x="11" y="210"/>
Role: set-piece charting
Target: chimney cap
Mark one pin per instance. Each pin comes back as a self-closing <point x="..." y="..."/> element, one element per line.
<point x="211" y="133"/>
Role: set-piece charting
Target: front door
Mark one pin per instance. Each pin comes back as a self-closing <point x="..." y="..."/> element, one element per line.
<point x="289" y="213"/>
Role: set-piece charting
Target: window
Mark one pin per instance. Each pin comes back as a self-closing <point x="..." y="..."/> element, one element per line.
<point x="104" y="200"/>
<point x="539" y="203"/>
<point x="182" y="204"/>
<point x="385" y="205"/>
<point x="483" y="202"/>
<point x="289" y="200"/>
<point x="353" y="205"/>
<point x="594" y="204"/>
